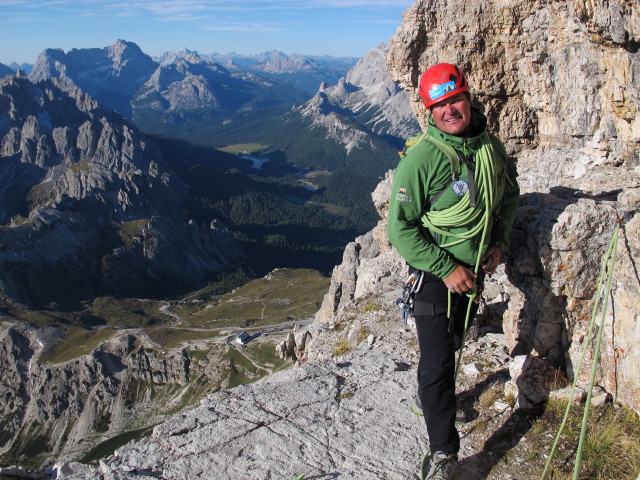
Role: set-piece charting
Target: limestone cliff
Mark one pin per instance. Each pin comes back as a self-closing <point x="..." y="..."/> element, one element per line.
<point x="560" y="84"/>
<point x="547" y="73"/>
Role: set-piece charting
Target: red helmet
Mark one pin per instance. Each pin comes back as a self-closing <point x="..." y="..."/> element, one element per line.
<point x="441" y="81"/>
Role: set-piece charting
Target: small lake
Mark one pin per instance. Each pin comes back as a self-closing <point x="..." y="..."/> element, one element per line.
<point x="257" y="162"/>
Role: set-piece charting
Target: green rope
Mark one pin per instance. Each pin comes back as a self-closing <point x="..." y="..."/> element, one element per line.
<point x="585" y="416"/>
<point x="605" y="263"/>
<point x="462" y="214"/>
<point x="422" y="461"/>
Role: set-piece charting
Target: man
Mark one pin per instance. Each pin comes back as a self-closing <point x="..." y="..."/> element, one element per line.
<point x="453" y="203"/>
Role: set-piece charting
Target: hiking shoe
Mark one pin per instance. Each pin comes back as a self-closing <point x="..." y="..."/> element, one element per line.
<point x="443" y="466"/>
<point x="416" y="408"/>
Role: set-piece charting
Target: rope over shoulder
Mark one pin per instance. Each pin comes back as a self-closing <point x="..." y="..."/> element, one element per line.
<point x="462" y="213"/>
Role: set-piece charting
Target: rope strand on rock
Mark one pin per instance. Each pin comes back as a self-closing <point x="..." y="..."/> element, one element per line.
<point x="608" y="261"/>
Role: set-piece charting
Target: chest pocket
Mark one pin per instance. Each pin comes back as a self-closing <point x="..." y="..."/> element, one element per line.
<point x="455" y="190"/>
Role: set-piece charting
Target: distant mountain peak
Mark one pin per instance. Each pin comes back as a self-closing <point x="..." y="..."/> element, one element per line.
<point x="287" y="64"/>
<point x="367" y="93"/>
<point x="192" y="56"/>
<point x="110" y="74"/>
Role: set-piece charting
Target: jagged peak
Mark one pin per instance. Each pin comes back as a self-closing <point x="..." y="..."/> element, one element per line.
<point x="192" y="56"/>
<point x="121" y="51"/>
<point x="53" y="53"/>
<point x="120" y="46"/>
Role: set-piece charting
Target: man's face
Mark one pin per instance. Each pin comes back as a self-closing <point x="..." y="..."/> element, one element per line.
<point x="453" y="115"/>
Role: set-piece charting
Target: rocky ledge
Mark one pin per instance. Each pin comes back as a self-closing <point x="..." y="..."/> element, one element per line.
<point x="348" y="416"/>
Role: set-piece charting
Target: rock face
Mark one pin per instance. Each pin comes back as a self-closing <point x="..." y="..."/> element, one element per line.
<point x="559" y="83"/>
<point x="562" y="73"/>
<point x="73" y="404"/>
<point x="312" y="421"/>
<point x="366" y="100"/>
<point x="88" y="204"/>
<point x="111" y="75"/>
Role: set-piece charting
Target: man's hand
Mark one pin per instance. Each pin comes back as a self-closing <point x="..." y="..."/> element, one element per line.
<point x="492" y="258"/>
<point x="460" y="280"/>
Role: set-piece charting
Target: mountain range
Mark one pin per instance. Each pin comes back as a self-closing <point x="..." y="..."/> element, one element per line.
<point x="89" y="205"/>
<point x="115" y="202"/>
<point x="113" y="75"/>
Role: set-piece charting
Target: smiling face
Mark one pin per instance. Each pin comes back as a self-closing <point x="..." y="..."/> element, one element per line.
<point x="453" y="115"/>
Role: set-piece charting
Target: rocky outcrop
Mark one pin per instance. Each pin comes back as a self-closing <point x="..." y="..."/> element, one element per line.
<point x="365" y="101"/>
<point x="312" y="421"/>
<point x="559" y="84"/>
<point x="89" y="204"/>
<point x="70" y="405"/>
<point x="111" y="75"/>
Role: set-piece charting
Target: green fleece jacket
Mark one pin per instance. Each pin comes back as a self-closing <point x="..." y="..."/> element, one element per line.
<point x="422" y="174"/>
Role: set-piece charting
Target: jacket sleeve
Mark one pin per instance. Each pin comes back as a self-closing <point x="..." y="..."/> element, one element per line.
<point x="409" y="195"/>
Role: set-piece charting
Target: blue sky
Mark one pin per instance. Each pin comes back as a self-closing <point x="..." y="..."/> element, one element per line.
<point x="311" y="27"/>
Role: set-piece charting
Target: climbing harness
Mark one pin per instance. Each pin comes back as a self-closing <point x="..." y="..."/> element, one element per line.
<point x="608" y="262"/>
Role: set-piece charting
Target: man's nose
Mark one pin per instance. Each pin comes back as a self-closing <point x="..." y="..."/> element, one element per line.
<point x="448" y="108"/>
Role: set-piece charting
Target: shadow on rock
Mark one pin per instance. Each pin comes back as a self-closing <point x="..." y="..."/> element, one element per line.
<point x="480" y="465"/>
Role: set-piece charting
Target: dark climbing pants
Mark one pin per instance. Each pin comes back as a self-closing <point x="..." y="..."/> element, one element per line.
<point x="436" y="368"/>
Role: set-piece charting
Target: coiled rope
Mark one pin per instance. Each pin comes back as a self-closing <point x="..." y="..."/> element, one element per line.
<point x="608" y="262"/>
<point x="462" y="213"/>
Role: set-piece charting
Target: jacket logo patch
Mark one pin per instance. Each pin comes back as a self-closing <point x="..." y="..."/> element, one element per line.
<point x="460" y="187"/>
<point x="402" y="196"/>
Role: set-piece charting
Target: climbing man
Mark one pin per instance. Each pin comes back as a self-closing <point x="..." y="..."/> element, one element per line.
<point x="452" y="207"/>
